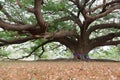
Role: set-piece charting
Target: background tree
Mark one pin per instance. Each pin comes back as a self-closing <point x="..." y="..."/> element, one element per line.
<point x="69" y="22"/>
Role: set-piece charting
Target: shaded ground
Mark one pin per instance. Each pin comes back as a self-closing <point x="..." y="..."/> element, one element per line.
<point x="59" y="70"/>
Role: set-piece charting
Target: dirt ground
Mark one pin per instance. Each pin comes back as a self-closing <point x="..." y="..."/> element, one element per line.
<point x="59" y="70"/>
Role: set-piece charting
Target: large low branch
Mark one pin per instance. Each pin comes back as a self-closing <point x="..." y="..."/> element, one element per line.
<point x="48" y="36"/>
<point x="103" y="26"/>
<point x="56" y="36"/>
<point x="64" y="33"/>
<point x="16" y="41"/>
<point x="111" y="43"/>
<point x="59" y="34"/>
<point x="15" y="27"/>
<point x="71" y="43"/>
<point x="104" y="39"/>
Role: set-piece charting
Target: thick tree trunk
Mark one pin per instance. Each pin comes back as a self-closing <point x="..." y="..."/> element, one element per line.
<point x="80" y="49"/>
<point x="80" y="53"/>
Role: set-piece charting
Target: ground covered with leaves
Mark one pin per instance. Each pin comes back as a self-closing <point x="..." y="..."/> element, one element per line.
<point x="59" y="70"/>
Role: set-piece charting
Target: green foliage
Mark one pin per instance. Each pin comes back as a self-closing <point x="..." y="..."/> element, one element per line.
<point x="58" y="26"/>
<point x="11" y="35"/>
<point x="7" y="34"/>
<point x="17" y="13"/>
<point x="101" y="32"/>
<point x="27" y="2"/>
<point x="110" y="53"/>
<point x="4" y="53"/>
<point x="109" y="16"/>
<point x="44" y="56"/>
<point x="54" y="6"/>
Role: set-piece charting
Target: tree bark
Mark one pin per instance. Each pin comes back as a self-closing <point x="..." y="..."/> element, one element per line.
<point x="80" y="53"/>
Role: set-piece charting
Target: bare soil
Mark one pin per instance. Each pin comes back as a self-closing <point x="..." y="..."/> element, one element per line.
<point x="59" y="70"/>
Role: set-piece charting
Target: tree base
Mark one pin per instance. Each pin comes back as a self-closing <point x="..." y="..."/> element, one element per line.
<point x="81" y="56"/>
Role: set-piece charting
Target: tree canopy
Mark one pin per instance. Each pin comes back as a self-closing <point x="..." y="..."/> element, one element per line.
<point x="80" y="25"/>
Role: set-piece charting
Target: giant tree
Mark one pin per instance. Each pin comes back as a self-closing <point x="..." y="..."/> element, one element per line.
<point x="69" y="22"/>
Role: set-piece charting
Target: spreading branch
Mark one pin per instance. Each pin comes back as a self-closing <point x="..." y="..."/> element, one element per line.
<point x="104" y="39"/>
<point x="17" y="41"/>
<point x="15" y="27"/>
<point x="111" y="43"/>
<point x="103" y="26"/>
<point x="37" y="7"/>
<point x="69" y="42"/>
<point x="106" y="12"/>
<point x="48" y="36"/>
<point x="110" y="4"/>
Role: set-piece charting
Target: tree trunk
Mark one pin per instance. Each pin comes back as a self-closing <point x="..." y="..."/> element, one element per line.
<point x="80" y="49"/>
<point x="81" y="53"/>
